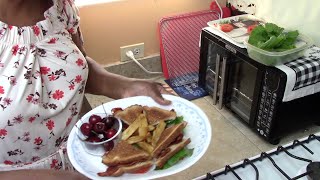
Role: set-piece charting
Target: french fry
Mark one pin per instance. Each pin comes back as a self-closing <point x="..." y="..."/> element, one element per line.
<point x="133" y="127"/>
<point x="144" y="121"/>
<point x="135" y="139"/>
<point x="149" y="139"/>
<point x="143" y="131"/>
<point x="151" y="128"/>
<point x="157" y="132"/>
<point x="145" y="146"/>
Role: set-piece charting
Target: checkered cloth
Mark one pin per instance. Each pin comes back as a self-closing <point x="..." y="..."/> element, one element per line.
<point x="307" y="68"/>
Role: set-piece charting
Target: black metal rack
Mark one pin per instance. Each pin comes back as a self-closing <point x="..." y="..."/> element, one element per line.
<point x="264" y="155"/>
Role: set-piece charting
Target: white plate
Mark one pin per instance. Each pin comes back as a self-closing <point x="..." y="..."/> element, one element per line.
<point x="198" y="129"/>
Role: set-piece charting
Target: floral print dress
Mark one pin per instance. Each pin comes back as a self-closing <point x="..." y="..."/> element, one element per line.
<point x="42" y="80"/>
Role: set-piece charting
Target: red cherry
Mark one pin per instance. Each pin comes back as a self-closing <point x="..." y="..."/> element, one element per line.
<point x="94" y="139"/>
<point x="109" y="121"/>
<point x="108" y="145"/>
<point x="85" y="129"/>
<point x="99" y="127"/>
<point x="110" y="133"/>
<point x="94" y="119"/>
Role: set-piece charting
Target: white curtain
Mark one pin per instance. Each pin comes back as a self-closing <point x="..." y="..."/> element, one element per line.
<point x="303" y="15"/>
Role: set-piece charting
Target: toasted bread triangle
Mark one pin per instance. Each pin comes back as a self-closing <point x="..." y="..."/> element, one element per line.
<point x="129" y="114"/>
<point x="155" y="114"/>
<point x="173" y="149"/>
<point x="121" y="169"/>
<point x="167" y="137"/>
<point x="124" y="153"/>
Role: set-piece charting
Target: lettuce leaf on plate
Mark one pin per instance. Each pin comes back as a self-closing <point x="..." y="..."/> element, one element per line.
<point x="183" y="153"/>
<point x="177" y="120"/>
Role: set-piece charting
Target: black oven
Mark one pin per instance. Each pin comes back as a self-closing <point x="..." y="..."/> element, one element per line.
<point x="252" y="90"/>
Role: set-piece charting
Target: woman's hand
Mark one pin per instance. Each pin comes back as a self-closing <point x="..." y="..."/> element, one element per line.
<point x="101" y="82"/>
<point x="137" y="87"/>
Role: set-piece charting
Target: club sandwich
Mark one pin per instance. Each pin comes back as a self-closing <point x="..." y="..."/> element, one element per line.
<point x="125" y="158"/>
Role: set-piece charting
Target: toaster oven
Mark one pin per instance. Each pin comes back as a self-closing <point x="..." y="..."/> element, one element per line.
<point x="251" y="90"/>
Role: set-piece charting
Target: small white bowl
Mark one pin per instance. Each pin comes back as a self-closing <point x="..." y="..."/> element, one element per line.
<point x="96" y="148"/>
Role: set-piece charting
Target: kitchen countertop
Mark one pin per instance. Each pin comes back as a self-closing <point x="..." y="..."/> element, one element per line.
<point x="231" y="142"/>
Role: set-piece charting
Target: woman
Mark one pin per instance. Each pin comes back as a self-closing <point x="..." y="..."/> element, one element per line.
<point x="44" y="72"/>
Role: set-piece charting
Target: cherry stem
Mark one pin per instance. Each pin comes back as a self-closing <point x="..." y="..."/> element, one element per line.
<point x="94" y="133"/>
<point x="104" y="109"/>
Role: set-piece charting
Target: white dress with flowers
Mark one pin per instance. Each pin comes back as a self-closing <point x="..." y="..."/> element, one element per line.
<point x="42" y="80"/>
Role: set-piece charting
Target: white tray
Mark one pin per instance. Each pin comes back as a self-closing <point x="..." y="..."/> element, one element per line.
<point x="239" y="33"/>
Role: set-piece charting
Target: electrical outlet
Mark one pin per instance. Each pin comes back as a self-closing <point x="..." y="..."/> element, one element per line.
<point x="137" y="49"/>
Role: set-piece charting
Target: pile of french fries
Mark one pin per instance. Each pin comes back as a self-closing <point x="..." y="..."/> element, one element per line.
<point x="144" y="135"/>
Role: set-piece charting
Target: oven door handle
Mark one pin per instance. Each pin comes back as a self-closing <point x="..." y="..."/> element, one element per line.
<point x="216" y="80"/>
<point x="223" y="82"/>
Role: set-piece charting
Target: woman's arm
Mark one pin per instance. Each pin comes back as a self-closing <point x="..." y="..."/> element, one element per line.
<point x="101" y="82"/>
<point x="42" y="174"/>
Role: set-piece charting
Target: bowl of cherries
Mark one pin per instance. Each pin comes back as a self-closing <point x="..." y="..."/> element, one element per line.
<point x="100" y="130"/>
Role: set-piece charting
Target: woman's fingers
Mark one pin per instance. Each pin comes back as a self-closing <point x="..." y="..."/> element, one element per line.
<point x="158" y="97"/>
<point x="149" y="88"/>
<point x="165" y="89"/>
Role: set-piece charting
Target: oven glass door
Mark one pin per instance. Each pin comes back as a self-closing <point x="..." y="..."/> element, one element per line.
<point x="214" y="51"/>
<point x="241" y="84"/>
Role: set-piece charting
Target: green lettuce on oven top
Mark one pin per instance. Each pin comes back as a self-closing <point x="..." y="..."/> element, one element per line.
<point x="271" y="37"/>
